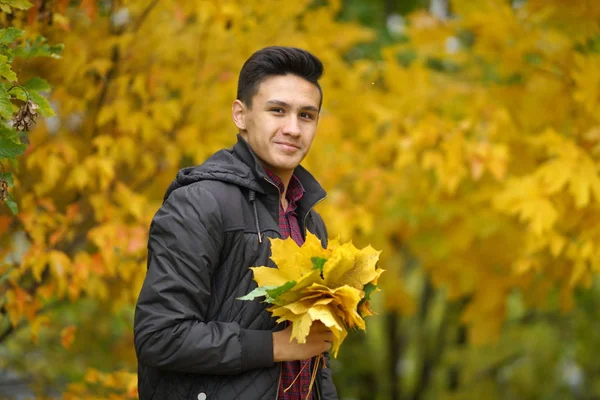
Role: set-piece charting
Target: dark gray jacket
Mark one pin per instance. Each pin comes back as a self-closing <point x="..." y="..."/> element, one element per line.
<point x="193" y="338"/>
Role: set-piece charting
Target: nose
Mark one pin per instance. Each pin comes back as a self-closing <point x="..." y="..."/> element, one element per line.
<point x="292" y="126"/>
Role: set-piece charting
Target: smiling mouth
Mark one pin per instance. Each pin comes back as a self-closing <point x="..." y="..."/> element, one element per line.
<point x="288" y="146"/>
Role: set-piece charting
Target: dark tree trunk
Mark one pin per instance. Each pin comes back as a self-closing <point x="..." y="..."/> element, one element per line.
<point x="389" y="7"/>
<point x="454" y="370"/>
<point x="395" y="344"/>
<point x="369" y="389"/>
<point x="430" y="354"/>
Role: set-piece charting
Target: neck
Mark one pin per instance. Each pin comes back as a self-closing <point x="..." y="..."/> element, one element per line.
<point x="286" y="177"/>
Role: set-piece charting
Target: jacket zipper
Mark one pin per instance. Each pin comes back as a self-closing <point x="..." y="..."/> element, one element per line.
<point x="305" y="229"/>
<point x="309" y="210"/>
<point x="278" y="191"/>
<point x="279" y="381"/>
<point x="280" y="366"/>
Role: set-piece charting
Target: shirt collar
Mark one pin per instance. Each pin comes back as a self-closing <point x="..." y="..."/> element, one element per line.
<point x="295" y="189"/>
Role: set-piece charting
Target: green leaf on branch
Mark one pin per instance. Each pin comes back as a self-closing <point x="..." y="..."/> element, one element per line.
<point x="42" y="103"/>
<point x="33" y="87"/>
<point x="39" y="48"/>
<point x="9" y="35"/>
<point x="18" y="4"/>
<point x="10" y="149"/>
<point x="8" y="133"/>
<point x="5" y="69"/>
<point x="5" y="104"/>
<point x="10" y="202"/>
<point x="8" y="177"/>
<point x="16" y="92"/>
<point x="7" y="53"/>
<point x="37" y="84"/>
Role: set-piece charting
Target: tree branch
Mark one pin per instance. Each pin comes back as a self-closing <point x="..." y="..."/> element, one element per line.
<point x="430" y="357"/>
<point x="144" y="15"/>
<point x="11" y="330"/>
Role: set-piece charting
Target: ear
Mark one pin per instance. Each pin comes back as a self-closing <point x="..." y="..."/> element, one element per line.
<point x="238" y="114"/>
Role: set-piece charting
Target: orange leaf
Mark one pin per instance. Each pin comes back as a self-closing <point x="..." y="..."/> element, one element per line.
<point x="32" y="13"/>
<point x="89" y="7"/>
<point x="36" y="325"/>
<point x="5" y="222"/>
<point x="72" y="211"/>
<point x="18" y="304"/>
<point x="61" y="5"/>
<point x="137" y="240"/>
<point x="48" y="204"/>
<point x="55" y="237"/>
<point x="67" y="336"/>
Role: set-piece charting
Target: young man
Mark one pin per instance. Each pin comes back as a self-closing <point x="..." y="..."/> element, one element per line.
<point x="193" y="338"/>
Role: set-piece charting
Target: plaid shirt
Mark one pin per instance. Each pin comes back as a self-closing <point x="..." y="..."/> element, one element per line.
<point x="289" y="226"/>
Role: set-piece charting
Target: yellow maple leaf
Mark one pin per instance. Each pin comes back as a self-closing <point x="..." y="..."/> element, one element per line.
<point x="325" y="284"/>
<point x="347" y="267"/>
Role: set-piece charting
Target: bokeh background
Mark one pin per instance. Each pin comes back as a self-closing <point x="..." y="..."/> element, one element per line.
<point x="460" y="137"/>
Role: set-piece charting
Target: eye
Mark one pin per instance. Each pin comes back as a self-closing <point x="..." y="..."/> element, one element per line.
<point x="277" y="110"/>
<point x="306" y="115"/>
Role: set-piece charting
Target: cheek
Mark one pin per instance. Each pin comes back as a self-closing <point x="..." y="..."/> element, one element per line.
<point x="310" y="136"/>
<point x="249" y="122"/>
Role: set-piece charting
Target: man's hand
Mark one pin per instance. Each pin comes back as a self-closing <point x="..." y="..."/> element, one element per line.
<point x="318" y="340"/>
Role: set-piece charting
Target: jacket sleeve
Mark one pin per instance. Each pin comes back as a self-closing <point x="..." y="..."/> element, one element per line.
<point x="327" y="386"/>
<point x="318" y="228"/>
<point x="170" y="327"/>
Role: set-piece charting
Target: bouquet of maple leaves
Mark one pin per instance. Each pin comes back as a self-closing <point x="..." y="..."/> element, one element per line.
<point x="310" y="283"/>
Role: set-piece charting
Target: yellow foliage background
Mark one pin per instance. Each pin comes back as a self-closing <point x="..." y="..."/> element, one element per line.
<point x="477" y="156"/>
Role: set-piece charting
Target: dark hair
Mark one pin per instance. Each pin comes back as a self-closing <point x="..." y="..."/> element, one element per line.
<point x="277" y="60"/>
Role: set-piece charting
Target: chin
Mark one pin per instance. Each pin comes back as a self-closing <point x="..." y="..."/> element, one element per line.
<point x="286" y="165"/>
<point x="286" y="162"/>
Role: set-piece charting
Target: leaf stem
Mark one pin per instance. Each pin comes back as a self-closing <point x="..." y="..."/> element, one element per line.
<point x="22" y="88"/>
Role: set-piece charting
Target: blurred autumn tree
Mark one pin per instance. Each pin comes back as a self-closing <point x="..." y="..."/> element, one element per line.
<point x="486" y="148"/>
<point x="466" y="148"/>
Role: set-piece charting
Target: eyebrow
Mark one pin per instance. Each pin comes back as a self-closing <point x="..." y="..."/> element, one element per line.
<point x="286" y="105"/>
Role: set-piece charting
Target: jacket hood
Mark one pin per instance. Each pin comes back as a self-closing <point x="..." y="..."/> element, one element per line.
<point x="240" y="167"/>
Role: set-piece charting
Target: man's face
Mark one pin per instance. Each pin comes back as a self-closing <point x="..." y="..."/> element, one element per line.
<point x="282" y="122"/>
